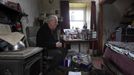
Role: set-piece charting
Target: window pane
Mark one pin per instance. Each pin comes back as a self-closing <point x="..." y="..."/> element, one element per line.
<point x="76" y="15"/>
<point x="76" y="24"/>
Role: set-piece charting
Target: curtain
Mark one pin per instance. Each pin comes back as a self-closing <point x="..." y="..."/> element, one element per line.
<point x="100" y="27"/>
<point x="64" y="11"/>
<point x="93" y="16"/>
<point x="94" y="42"/>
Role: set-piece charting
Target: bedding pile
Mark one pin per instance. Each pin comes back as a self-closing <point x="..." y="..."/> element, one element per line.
<point x="125" y="48"/>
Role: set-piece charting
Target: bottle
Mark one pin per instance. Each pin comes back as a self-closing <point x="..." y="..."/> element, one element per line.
<point x="85" y="26"/>
<point x="68" y="61"/>
<point x="94" y="33"/>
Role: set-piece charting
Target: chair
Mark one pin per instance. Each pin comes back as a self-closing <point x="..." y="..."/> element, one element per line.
<point x="31" y="35"/>
<point x="46" y="61"/>
<point x="31" y="38"/>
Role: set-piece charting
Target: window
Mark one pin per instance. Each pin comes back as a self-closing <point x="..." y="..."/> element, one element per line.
<point x="77" y="18"/>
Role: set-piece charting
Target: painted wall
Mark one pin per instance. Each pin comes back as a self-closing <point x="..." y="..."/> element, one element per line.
<point x="111" y="20"/>
<point x="112" y="16"/>
<point x="50" y="8"/>
<point x="88" y="14"/>
<point x="122" y="5"/>
<point x="30" y="7"/>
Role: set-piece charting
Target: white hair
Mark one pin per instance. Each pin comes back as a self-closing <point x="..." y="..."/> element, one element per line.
<point x="49" y="18"/>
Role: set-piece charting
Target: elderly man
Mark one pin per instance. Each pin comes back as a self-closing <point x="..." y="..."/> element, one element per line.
<point x="47" y="34"/>
<point x="48" y="39"/>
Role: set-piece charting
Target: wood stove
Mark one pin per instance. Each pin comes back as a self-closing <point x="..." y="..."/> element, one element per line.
<point x="23" y="62"/>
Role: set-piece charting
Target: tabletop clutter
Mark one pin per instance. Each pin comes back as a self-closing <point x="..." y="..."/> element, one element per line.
<point x="83" y="34"/>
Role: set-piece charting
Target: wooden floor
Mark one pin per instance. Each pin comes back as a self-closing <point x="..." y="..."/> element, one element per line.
<point x="97" y="62"/>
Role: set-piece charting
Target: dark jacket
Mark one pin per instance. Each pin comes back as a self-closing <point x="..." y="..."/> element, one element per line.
<point x="46" y="38"/>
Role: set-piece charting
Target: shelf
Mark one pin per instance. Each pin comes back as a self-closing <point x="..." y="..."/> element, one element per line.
<point x="11" y="13"/>
<point x="11" y="10"/>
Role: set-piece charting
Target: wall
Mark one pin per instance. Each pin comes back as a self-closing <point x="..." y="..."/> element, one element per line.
<point x="50" y="8"/>
<point x="30" y="7"/>
<point x="122" y="5"/>
<point x="112" y="16"/>
<point x="88" y="14"/>
<point x="111" y="20"/>
<point x="97" y="10"/>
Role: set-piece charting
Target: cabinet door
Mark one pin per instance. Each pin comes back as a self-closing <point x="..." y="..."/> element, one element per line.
<point x="11" y="67"/>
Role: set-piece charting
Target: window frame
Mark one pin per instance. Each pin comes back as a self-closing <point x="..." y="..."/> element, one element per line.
<point x="84" y="15"/>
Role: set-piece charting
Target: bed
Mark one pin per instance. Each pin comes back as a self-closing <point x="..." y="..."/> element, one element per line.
<point x="120" y="55"/>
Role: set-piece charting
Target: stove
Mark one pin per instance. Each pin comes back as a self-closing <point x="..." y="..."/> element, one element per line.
<point x="23" y="62"/>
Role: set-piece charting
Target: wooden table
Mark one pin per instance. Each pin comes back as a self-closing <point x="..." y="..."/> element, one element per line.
<point x="77" y="41"/>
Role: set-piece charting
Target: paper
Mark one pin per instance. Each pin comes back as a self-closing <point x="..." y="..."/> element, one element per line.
<point x="5" y="29"/>
<point x="12" y="38"/>
<point x="74" y="73"/>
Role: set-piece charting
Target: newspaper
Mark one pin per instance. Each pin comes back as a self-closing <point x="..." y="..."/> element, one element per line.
<point x="5" y="29"/>
<point x="11" y="37"/>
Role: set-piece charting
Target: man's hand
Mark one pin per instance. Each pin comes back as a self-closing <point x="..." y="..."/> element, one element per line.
<point x="58" y="44"/>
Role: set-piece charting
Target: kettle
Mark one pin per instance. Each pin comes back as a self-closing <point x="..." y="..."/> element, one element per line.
<point x="19" y="46"/>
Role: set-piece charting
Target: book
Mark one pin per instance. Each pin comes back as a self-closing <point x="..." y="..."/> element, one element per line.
<point x="74" y="73"/>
